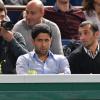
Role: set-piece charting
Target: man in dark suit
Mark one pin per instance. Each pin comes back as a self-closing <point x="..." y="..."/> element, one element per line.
<point x="86" y="58"/>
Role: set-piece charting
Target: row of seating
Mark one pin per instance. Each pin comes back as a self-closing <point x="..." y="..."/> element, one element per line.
<point x="14" y="12"/>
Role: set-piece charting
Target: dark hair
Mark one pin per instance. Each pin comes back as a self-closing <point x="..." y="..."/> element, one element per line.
<point x="94" y="26"/>
<point x="88" y="6"/>
<point x="40" y="28"/>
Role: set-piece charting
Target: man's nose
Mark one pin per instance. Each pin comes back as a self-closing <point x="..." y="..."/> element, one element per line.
<point x="43" y="43"/>
<point x="82" y="37"/>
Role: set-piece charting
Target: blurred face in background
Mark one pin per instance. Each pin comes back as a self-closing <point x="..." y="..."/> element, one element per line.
<point x="34" y="13"/>
<point x="97" y="6"/>
<point x="63" y="5"/>
<point x="2" y="15"/>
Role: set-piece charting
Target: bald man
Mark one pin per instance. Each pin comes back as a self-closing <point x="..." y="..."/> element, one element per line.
<point x="34" y="15"/>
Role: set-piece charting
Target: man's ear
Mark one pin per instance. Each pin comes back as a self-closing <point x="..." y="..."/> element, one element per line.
<point x="97" y="34"/>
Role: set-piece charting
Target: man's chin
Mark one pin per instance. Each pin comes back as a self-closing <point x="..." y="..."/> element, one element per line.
<point x="86" y="46"/>
<point x="30" y="25"/>
<point x="44" y="52"/>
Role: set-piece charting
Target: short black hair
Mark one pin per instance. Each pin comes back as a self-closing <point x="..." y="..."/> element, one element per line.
<point x="94" y="26"/>
<point x="40" y="28"/>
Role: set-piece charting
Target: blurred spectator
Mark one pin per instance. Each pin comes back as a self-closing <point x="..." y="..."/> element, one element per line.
<point x="33" y="15"/>
<point x="15" y="2"/>
<point x="66" y="17"/>
<point x="12" y="44"/>
<point x="76" y="2"/>
<point x="92" y="11"/>
<point x="6" y="18"/>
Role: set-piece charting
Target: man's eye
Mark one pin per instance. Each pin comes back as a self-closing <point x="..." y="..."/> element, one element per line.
<point x="33" y="13"/>
<point x="40" y="40"/>
<point x="46" y="40"/>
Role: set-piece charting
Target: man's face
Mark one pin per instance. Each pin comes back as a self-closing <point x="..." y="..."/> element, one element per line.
<point x="42" y="43"/>
<point x="2" y="15"/>
<point x="34" y="14"/>
<point x="87" y="37"/>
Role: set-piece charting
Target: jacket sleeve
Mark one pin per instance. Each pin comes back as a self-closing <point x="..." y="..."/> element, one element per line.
<point x="74" y="62"/>
<point x="18" y="45"/>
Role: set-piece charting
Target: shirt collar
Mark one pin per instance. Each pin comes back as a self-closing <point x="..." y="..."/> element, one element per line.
<point x="90" y="53"/>
<point x="50" y="54"/>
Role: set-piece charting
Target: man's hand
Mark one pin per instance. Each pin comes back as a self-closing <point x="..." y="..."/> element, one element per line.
<point x="7" y="35"/>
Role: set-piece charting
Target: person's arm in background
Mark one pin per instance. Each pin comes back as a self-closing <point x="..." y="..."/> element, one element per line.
<point x="56" y="46"/>
<point x="18" y="45"/>
<point x="15" y="42"/>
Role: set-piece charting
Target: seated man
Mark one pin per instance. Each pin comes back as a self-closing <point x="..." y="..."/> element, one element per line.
<point x="34" y="15"/>
<point x="12" y="45"/>
<point x="66" y="17"/>
<point x="86" y="58"/>
<point x="41" y="60"/>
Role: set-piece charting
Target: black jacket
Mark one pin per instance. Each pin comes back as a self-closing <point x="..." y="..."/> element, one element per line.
<point x="10" y="51"/>
<point x="81" y="63"/>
